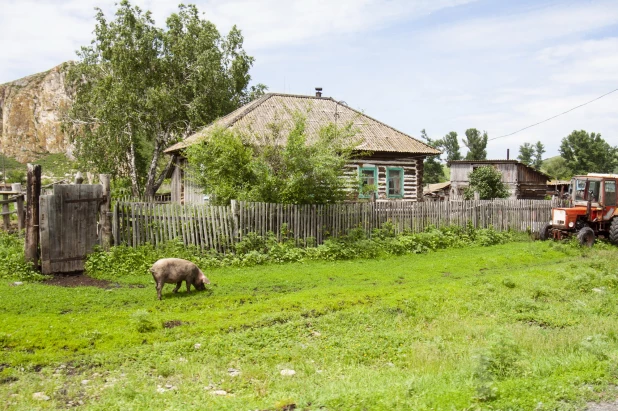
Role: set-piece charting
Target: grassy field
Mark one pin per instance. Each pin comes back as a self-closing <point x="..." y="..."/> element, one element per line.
<point x="515" y="326"/>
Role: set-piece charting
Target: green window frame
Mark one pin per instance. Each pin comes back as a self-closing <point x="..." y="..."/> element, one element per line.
<point x="394" y="189"/>
<point x="365" y="178"/>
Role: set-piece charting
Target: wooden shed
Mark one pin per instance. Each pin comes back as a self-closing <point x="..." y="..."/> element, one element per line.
<point x="392" y="163"/>
<point x="437" y="192"/>
<point x="523" y="181"/>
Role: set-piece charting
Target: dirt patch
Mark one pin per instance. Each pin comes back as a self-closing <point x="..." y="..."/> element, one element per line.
<point x="78" y="280"/>
<point x="172" y="323"/>
<point x="603" y="406"/>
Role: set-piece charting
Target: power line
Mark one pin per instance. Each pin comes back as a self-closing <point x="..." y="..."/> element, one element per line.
<point x="557" y="115"/>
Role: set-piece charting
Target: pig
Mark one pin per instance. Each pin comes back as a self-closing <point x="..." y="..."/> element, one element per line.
<point x="175" y="271"/>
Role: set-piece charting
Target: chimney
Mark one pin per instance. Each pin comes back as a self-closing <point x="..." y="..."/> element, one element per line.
<point x="318" y="91"/>
<point x="507" y="153"/>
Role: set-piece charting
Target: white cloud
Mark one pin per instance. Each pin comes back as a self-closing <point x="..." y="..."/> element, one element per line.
<point x="271" y="23"/>
<point x="37" y="35"/>
<point x="507" y="32"/>
<point x="502" y="69"/>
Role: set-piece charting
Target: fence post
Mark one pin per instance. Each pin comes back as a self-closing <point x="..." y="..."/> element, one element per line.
<point x="6" y="216"/>
<point x="33" y="193"/>
<point x="104" y="208"/>
<point x="20" y="211"/>
<point x="235" y="220"/>
<point x="116" y="224"/>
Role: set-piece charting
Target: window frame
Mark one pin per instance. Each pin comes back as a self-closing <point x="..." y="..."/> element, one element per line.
<point x="375" y="179"/>
<point x="388" y="172"/>
<point x="605" y="193"/>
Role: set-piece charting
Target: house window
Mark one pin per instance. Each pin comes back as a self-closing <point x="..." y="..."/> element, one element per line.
<point x="394" y="180"/>
<point x="368" y="181"/>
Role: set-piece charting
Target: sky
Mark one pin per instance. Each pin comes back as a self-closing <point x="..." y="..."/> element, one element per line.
<point x="439" y="65"/>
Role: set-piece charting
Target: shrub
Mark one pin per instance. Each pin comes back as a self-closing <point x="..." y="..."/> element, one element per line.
<point x="127" y="262"/>
<point x="12" y="263"/>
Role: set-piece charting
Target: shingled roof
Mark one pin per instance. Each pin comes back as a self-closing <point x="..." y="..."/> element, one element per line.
<point x="256" y="116"/>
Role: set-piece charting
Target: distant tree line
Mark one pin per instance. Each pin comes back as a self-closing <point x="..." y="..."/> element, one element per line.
<point x="580" y="153"/>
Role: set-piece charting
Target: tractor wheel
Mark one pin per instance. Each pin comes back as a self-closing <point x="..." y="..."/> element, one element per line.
<point x="613" y="231"/>
<point x="586" y="236"/>
<point x="544" y="232"/>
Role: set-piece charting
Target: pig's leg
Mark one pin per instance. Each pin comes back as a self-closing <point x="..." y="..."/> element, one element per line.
<point x="159" y="288"/>
<point x="178" y="284"/>
<point x="188" y="286"/>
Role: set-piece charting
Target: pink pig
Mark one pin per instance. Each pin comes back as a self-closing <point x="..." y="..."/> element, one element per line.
<point x="175" y="271"/>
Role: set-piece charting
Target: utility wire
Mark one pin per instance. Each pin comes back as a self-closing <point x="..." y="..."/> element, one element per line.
<point x="557" y="115"/>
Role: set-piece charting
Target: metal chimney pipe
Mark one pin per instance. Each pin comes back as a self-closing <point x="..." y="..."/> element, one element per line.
<point x="507" y="153"/>
<point x="318" y="91"/>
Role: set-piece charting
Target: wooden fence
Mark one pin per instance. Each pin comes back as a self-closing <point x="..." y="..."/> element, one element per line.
<point x="219" y="227"/>
<point x="14" y="196"/>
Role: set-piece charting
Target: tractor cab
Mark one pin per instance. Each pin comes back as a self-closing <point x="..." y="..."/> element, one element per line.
<point x="592" y="210"/>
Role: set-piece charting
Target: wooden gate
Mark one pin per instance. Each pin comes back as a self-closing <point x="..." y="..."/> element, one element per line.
<point x="69" y="220"/>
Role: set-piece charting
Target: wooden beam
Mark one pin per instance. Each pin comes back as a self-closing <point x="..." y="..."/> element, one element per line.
<point x="21" y="217"/>
<point x="33" y="193"/>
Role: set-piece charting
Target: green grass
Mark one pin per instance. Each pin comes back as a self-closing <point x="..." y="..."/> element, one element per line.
<point x="57" y="165"/>
<point x="514" y="326"/>
<point x="11" y="164"/>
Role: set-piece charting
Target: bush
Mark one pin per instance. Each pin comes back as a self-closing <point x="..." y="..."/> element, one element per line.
<point x="133" y="263"/>
<point x="12" y="263"/>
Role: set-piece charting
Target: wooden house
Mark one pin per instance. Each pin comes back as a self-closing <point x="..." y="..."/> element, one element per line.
<point x="524" y="182"/>
<point x="392" y="162"/>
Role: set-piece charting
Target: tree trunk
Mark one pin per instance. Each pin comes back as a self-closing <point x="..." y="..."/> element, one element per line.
<point x="133" y="170"/>
<point x="150" y="188"/>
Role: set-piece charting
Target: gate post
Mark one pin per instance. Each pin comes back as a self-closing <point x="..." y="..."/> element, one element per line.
<point x="33" y="193"/>
<point x="20" y="212"/>
<point x="104" y="208"/>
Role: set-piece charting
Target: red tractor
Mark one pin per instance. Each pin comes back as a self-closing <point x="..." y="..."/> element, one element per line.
<point x="592" y="211"/>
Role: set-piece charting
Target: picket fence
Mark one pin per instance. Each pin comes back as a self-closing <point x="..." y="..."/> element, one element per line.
<point x="220" y="227"/>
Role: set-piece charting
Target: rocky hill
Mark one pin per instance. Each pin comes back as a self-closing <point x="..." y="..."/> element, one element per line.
<point x="30" y="113"/>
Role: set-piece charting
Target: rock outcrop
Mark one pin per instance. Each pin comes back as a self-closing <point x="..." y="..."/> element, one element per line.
<point x="30" y="115"/>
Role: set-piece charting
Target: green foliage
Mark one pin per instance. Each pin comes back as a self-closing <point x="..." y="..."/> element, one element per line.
<point x="131" y="264"/>
<point x="432" y="168"/>
<point x="259" y="168"/>
<point x="12" y="263"/>
<point x="168" y="82"/>
<point x="57" y="164"/>
<point x="532" y="155"/>
<point x="526" y="152"/>
<point x="16" y="176"/>
<point x="476" y="143"/>
<point x="539" y="150"/>
<point x="8" y="164"/>
<point x="588" y="153"/>
<point x="450" y="144"/>
<point x="556" y="167"/>
<point x="487" y="181"/>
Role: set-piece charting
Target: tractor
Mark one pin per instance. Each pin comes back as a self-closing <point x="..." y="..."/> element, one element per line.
<point x="592" y="212"/>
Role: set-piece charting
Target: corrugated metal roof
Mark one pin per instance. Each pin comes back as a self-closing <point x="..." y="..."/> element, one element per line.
<point x="256" y="117"/>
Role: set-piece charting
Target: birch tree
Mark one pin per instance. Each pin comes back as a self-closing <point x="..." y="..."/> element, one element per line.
<point x="138" y="88"/>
